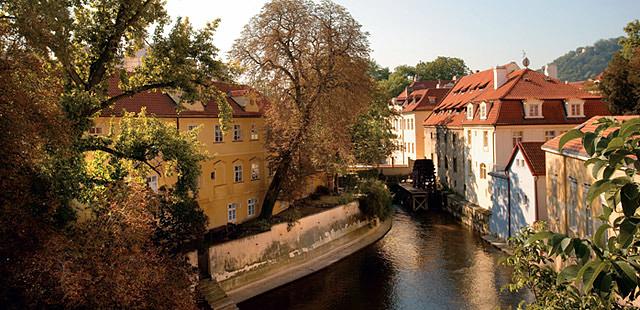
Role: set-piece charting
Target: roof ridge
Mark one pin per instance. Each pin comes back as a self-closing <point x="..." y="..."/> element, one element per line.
<point x="518" y="78"/>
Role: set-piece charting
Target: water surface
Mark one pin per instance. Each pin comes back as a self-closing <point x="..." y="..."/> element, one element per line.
<point x="426" y="261"/>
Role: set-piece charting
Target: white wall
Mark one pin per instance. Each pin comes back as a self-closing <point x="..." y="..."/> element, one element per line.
<point x="523" y="194"/>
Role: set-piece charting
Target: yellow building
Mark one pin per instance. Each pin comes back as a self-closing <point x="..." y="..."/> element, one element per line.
<point x="233" y="183"/>
<point x="568" y="181"/>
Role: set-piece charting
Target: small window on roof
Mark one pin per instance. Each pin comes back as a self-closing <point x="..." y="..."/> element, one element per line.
<point x="483" y="110"/>
<point x="470" y="111"/>
<point x="532" y="108"/>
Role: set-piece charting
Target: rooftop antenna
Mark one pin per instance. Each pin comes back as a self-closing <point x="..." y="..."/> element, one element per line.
<point x="525" y="60"/>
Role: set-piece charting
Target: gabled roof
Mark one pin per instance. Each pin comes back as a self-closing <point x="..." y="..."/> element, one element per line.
<point x="574" y="147"/>
<point x="504" y="104"/>
<point x="533" y="156"/>
<point x="163" y="105"/>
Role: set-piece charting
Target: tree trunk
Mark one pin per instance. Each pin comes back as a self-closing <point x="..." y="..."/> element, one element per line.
<point x="274" y="188"/>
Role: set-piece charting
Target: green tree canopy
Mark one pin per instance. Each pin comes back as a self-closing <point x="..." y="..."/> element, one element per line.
<point x="621" y="81"/>
<point x="442" y="68"/>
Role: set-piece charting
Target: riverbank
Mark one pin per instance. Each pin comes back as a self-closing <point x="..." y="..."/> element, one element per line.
<point x="302" y="269"/>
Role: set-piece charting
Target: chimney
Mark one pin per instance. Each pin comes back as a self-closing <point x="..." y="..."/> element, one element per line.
<point x="499" y="76"/>
<point x="551" y="70"/>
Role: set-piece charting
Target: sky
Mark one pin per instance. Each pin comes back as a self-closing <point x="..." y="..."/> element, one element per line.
<point x="483" y="33"/>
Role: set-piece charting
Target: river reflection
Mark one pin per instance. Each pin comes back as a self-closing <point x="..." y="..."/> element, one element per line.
<point x="426" y="261"/>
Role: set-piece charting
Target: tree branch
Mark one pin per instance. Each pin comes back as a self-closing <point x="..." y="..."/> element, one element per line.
<point x="119" y="154"/>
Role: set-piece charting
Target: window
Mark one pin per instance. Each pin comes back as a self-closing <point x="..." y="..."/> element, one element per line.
<point x="533" y="108"/>
<point x="483" y="110"/>
<point x="470" y="111"/>
<point x="517" y="137"/>
<point x="554" y="199"/>
<point x="575" y="108"/>
<point x="213" y="175"/>
<point x="94" y="131"/>
<point x="588" y="216"/>
<point x="254" y="132"/>
<point x="237" y="173"/>
<point x="485" y="140"/>
<point x="455" y="164"/>
<point x="446" y="163"/>
<point x="152" y="181"/>
<point x="237" y="134"/>
<point x="483" y="171"/>
<point x="192" y="127"/>
<point x="549" y="134"/>
<point x="469" y="166"/>
<point x="572" y="205"/>
<point x="251" y="207"/>
<point x="231" y="212"/>
<point x="217" y="134"/>
<point x="469" y="136"/>
<point x="255" y="171"/>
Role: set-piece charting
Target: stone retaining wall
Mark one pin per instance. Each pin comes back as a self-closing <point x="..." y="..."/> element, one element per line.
<point x="236" y="263"/>
<point x="468" y="213"/>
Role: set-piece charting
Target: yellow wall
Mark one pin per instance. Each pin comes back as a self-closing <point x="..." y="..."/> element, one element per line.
<point x="216" y="193"/>
<point x="563" y="169"/>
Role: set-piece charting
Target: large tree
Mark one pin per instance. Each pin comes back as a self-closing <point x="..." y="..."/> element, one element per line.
<point x="441" y="68"/>
<point x="372" y="134"/>
<point x="621" y="81"/>
<point x="56" y="59"/>
<point x="312" y="61"/>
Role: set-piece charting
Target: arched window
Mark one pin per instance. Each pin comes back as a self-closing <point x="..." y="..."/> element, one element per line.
<point x="470" y="111"/>
<point x="483" y="171"/>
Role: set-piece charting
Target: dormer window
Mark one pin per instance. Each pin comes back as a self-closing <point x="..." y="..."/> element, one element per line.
<point x="470" y="111"/>
<point x="533" y="108"/>
<point x="575" y="107"/>
<point x="483" y="110"/>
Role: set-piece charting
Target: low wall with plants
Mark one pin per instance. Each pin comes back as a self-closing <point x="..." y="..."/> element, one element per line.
<point x="239" y="262"/>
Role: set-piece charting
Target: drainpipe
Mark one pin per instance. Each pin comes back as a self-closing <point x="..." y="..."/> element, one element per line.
<point x="535" y="192"/>
<point x="508" y="203"/>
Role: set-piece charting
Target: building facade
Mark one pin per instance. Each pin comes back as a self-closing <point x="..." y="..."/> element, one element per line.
<point x="477" y="125"/>
<point x="412" y="107"/>
<point x="234" y="181"/>
<point x="519" y="192"/>
<point x="568" y="182"/>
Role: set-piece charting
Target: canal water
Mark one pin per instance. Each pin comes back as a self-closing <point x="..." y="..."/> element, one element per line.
<point x="426" y="261"/>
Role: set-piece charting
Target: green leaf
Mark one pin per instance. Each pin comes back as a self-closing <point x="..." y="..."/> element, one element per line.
<point x="625" y="235"/>
<point x="629" y="126"/>
<point x="564" y="245"/>
<point x="598" y="188"/>
<point x="629" y="197"/>
<point x="615" y="143"/>
<point x="588" y="142"/>
<point x="592" y="277"/>
<point x="628" y="270"/>
<point x="570" y="135"/>
<point x="597" y="166"/>
<point x="539" y="236"/>
<point x="608" y="172"/>
<point x="598" y="237"/>
<point x="583" y="271"/>
<point x="569" y="273"/>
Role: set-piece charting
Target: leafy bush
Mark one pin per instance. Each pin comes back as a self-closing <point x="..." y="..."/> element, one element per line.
<point x="375" y="200"/>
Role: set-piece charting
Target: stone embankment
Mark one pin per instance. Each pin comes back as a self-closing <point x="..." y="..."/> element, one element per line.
<point x="247" y="267"/>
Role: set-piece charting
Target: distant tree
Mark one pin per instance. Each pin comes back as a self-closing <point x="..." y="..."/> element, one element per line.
<point x="372" y="134"/>
<point x="400" y="78"/>
<point x="621" y="81"/>
<point x="377" y="72"/>
<point x="441" y="68"/>
<point x="586" y="62"/>
<point x="631" y="42"/>
<point x="312" y="60"/>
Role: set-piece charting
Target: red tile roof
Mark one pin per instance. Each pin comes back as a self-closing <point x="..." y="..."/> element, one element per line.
<point x="162" y="105"/>
<point x="575" y="146"/>
<point x="533" y="155"/>
<point x="417" y="85"/>
<point x="504" y="105"/>
<point x="423" y="96"/>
